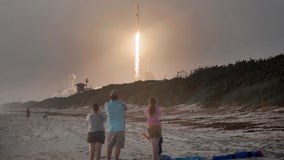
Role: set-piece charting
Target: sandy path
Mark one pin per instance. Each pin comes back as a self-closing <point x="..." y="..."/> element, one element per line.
<point x="186" y="132"/>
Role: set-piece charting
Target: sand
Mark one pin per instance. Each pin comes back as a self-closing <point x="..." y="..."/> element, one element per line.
<point x="187" y="131"/>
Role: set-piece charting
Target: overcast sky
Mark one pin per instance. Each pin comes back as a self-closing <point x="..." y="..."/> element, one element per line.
<point x="43" y="41"/>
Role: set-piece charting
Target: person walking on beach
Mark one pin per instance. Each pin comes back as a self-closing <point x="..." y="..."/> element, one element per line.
<point x="28" y="114"/>
<point x="153" y="113"/>
<point x="44" y="116"/>
<point x="96" y="133"/>
<point x="115" y="135"/>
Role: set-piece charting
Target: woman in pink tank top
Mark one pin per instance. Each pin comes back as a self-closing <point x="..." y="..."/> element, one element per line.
<point x="153" y="114"/>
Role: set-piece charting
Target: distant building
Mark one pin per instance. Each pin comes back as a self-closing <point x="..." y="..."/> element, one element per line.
<point x="182" y="74"/>
<point x="80" y="87"/>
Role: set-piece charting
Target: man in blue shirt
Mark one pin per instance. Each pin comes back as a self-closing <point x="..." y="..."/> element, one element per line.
<point x="115" y="135"/>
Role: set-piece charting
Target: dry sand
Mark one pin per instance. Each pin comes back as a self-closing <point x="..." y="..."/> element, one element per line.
<point x="187" y="131"/>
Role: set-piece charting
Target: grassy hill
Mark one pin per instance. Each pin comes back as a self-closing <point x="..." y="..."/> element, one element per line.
<point x="254" y="82"/>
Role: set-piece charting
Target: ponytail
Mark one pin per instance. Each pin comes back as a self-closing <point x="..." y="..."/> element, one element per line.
<point x="152" y="106"/>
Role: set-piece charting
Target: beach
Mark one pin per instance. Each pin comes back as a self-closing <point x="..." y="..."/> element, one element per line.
<point x="188" y="130"/>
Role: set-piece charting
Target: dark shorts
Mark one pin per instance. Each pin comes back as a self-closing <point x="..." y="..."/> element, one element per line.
<point x="96" y="137"/>
<point x="155" y="131"/>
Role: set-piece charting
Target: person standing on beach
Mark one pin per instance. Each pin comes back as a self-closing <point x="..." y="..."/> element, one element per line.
<point x="96" y="133"/>
<point x="44" y="116"/>
<point x="28" y="114"/>
<point x="154" y="128"/>
<point x="115" y="112"/>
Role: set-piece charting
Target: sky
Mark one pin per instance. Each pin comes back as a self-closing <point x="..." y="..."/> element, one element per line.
<point x="44" y="41"/>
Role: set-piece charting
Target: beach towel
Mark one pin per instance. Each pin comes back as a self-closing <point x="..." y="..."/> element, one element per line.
<point x="190" y="158"/>
<point x="166" y="157"/>
<point x="239" y="155"/>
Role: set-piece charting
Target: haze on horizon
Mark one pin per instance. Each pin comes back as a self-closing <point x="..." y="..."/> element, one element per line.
<point x="42" y="42"/>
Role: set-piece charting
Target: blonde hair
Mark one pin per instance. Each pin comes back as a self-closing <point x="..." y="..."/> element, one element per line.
<point x="152" y="105"/>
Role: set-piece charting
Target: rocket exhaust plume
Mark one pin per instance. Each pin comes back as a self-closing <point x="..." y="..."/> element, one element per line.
<point x="137" y="46"/>
<point x="137" y="55"/>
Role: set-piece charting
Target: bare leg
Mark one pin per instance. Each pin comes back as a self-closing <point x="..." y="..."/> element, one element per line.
<point x="116" y="153"/>
<point x="98" y="151"/>
<point x="155" y="148"/>
<point x="92" y="151"/>
<point x="109" y="150"/>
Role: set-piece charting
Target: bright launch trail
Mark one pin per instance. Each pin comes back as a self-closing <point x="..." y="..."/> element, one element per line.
<point x="137" y="54"/>
<point x="137" y="45"/>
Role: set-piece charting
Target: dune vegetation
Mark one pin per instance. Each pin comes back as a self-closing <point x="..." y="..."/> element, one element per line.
<point x="249" y="82"/>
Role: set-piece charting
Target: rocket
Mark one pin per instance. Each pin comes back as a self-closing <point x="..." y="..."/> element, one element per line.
<point x="137" y="16"/>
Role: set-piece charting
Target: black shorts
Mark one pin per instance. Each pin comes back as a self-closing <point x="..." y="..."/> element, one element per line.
<point x="96" y="137"/>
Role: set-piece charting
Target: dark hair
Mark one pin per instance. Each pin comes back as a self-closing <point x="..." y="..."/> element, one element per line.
<point x="152" y="105"/>
<point x="114" y="97"/>
<point x="96" y="107"/>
